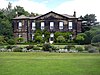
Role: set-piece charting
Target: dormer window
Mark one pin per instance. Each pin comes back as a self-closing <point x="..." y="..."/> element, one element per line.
<point x="51" y="25"/>
<point x="20" y="25"/>
<point x="33" y="25"/>
<point x="70" y="25"/>
<point x="42" y="25"/>
<point x="60" y="25"/>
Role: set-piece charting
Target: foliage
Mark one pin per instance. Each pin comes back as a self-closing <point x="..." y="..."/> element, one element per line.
<point x="29" y="47"/>
<point x="88" y="21"/>
<point x="60" y="39"/>
<point x="68" y="47"/>
<point x="96" y="44"/>
<point x="80" y="49"/>
<point x="46" y="35"/>
<point x="96" y="39"/>
<point x="46" y="47"/>
<point x="20" y="40"/>
<point x="17" y="49"/>
<point x="36" y="48"/>
<point x="9" y="47"/>
<point x="11" y="41"/>
<point x="39" y="39"/>
<point x="2" y="41"/>
<point x="87" y="47"/>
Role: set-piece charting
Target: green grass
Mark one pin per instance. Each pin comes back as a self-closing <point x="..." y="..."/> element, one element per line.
<point x="43" y="63"/>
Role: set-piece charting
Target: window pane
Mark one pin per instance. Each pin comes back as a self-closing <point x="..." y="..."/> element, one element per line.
<point x="33" y="26"/>
<point x="42" y="25"/>
<point x="70" y="25"/>
<point x="20" y="25"/>
<point x="51" y="25"/>
<point x="60" y="25"/>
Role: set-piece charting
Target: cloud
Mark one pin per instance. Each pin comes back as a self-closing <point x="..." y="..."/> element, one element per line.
<point x="82" y="7"/>
<point x="32" y="6"/>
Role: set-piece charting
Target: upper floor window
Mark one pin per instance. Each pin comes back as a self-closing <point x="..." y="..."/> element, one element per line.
<point x="42" y="25"/>
<point x="20" y="25"/>
<point x="60" y="25"/>
<point x="33" y="25"/>
<point x="51" y="25"/>
<point x="70" y="25"/>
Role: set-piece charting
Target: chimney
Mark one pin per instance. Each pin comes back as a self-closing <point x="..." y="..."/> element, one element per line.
<point x="74" y="14"/>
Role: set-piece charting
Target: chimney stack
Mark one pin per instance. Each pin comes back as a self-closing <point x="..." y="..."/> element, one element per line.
<point x="74" y="14"/>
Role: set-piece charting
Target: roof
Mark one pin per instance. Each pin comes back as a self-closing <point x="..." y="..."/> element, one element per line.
<point x="21" y="17"/>
<point x="24" y="17"/>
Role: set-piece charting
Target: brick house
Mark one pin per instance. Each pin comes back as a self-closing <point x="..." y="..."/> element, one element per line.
<point x="26" y="26"/>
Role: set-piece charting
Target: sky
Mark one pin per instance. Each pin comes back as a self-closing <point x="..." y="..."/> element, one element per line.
<point x="82" y="7"/>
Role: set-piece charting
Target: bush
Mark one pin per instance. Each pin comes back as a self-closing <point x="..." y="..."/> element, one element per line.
<point x="18" y="49"/>
<point x="60" y="39"/>
<point x="39" y="39"/>
<point x="92" y="50"/>
<point x="68" y="47"/>
<point x="29" y="47"/>
<point x="87" y="47"/>
<point x="36" y="48"/>
<point x="11" y="41"/>
<point x="9" y="47"/>
<point x="19" y="40"/>
<point x="96" y="39"/>
<point x="96" y="44"/>
<point x="80" y="49"/>
<point x="46" y="47"/>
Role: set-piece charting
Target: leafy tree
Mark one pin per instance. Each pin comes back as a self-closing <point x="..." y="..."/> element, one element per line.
<point x="96" y="39"/>
<point x="2" y="41"/>
<point x="88" y="21"/>
<point x="60" y="39"/>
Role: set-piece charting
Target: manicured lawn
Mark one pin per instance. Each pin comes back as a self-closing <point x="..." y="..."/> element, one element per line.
<point x="49" y="63"/>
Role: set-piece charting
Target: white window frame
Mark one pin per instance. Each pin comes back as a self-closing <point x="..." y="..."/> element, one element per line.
<point x="20" y="25"/>
<point x="70" y="25"/>
<point x="33" y="25"/>
<point x="42" y="25"/>
<point x="61" y="24"/>
<point x="52" y="35"/>
<point x="51" y="25"/>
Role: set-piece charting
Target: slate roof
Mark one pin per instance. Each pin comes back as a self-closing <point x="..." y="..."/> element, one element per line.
<point x="25" y="17"/>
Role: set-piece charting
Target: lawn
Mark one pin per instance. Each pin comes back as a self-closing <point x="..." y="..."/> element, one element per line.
<point x="43" y="63"/>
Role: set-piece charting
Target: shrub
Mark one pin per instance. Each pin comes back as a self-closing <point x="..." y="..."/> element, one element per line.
<point x="11" y="41"/>
<point x="46" y="47"/>
<point x="80" y="49"/>
<point x="92" y="50"/>
<point x="60" y="39"/>
<point x="29" y="47"/>
<point x="87" y="47"/>
<point x="68" y="47"/>
<point x="96" y="44"/>
<point x="36" y="48"/>
<point x="18" y="49"/>
<point x="96" y="39"/>
<point x="19" y="40"/>
<point x="39" y="39"/>
<point x="9" y="47"/>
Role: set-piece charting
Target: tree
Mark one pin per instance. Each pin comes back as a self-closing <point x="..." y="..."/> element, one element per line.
<point x="96" y="39"/>
<point x="60" y="39"/>
<point x="88" y="21"/>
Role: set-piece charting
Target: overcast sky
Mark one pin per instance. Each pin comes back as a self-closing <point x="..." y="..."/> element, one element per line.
<point x="81" y="7"/>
